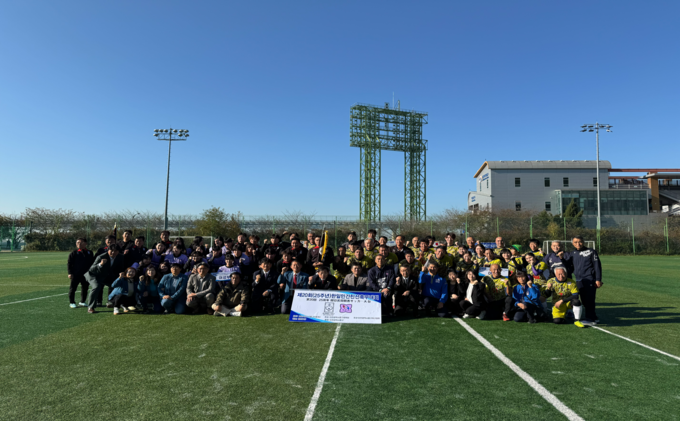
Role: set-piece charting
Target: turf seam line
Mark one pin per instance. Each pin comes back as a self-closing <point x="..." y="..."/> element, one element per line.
<point x="638" y="343"/>
<point x="32" y="299"/>
<point x="322" y="377"/>
<point x="545" y="393"/>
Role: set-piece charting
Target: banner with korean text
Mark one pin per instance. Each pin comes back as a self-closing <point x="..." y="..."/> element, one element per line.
<point x="326" y="306"/>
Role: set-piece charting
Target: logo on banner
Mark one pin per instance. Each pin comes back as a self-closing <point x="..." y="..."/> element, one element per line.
<point x="345" y="308"/>
<point x="328" y="309"/>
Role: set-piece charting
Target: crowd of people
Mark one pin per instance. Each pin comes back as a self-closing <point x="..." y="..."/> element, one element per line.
<point x="418" y="276"/>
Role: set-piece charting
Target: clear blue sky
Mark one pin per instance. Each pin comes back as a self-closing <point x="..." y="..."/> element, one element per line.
<point x="265" y="90"/>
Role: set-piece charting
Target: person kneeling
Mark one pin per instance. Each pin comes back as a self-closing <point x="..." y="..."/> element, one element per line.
<point x="526" y="297"/>
<point x="201" y="289"/>
<point x="565" y="296"/>
<point x="233" y="299"/>
<point x="125" y="290"/>
<point x="173" y="290"/>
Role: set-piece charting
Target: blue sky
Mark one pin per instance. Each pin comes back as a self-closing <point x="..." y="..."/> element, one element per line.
<point x="265" y="90"/>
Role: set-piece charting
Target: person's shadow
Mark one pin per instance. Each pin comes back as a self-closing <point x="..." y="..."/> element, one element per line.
<point x="626" y="314"/>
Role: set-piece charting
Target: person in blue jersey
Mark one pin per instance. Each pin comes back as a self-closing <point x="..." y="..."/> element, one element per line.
<point x="435" y="290"/>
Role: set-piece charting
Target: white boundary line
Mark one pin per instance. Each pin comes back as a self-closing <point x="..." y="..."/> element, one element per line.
<point x="31" y="299"/>
<point x="322" y="377"/>
<point x="545" y="394"/>
<point x="638" y="343"/>
<point x="31" y="285"/>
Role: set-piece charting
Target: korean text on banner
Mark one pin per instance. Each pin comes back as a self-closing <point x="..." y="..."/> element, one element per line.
<point x="336" y="307"/>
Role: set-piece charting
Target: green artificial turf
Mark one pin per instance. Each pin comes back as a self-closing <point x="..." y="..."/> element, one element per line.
<point x="58" y="363"/>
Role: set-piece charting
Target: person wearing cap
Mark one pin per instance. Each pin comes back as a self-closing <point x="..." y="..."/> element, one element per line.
<point x="435" y="290"/>
<point x="233" y="299"/>
<point x="288" y="282"/>
<point x="406" y="291"/>
<point x="173" y="290"/>
<point x="103" y="271"/>
<point x="201" y="289"/>
<point x="264" y="287"/>
<point x="526" y="304"/>
<point x="322" y="279"/>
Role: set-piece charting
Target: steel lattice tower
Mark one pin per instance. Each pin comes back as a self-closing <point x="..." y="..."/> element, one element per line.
<point x="374" y="129"/>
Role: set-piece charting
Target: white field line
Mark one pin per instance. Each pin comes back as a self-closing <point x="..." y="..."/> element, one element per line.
<point x="322" y="377"/>
<point x="31" y="285"/>
<point x="14" y="258"/>
<point x="32" y="299"/>
<point x="638" y="343"/>
<point x="545" y="394"/>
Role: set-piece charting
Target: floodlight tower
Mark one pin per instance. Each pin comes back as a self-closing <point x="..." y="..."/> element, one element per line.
<point x="596" y="128"/>
<point x="374" y="128"/>
<point x="167" y="135"/>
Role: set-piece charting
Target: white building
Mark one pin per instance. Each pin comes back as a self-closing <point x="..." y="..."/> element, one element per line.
<point x="551" y="186"/>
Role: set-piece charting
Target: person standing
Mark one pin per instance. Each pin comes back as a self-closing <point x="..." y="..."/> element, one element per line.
<point x="289" y="281"/>
<point x="588" y="274"/>
<point x="103" y="271"/>
<point x="77" y="265"/>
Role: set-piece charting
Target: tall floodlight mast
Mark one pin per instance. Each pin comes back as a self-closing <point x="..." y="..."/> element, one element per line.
<point x="374" y="129"/>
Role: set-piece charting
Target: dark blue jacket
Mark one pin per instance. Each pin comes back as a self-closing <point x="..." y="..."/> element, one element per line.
<point x="586" y="263"/>
<point x="120" y="287"/>
<point x="175" y="287"/>
<point x="527" y="295"/>
<point x="379" y="279"/>
<point x="552" y="260"/>
<point x="287" y="280"/>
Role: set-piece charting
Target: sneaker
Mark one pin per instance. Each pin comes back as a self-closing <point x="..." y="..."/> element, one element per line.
<point x="505" y="318"/>
<point x="482" y="315"/>
<point x="125" y="310"/>
<point x="579" y="324"/>
<point x="466" y="316"/>
<point x="116" y="311"/>
<point x="132" y="308"/>
<point x="218" y="313"/>
<point x="236" y="313"/>
<point x="73" y="305"/>
<point x="587" y="323"/>
<point x="91" y="311"/>
<point x="82" y="304"/>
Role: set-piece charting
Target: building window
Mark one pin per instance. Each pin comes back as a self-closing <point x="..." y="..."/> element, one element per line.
<point x="487" y="183"/>
<point x="594" y="181"/>
<point x="518" y="206"/>
<point x="548" y="206"/>
<point x="565" y="181"/>
<point x="547" y="181"/>
<point x="518" y="182"/>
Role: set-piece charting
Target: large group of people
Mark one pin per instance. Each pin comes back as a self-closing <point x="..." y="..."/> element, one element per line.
<point x="419" y="276"/>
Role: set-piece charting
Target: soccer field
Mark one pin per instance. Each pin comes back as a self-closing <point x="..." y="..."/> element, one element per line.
<point x="58" y="363"/>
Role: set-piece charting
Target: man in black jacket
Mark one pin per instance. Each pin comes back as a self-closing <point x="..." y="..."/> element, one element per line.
<point x="556" y="258"/>
<point x="103" y="271"/>
<point x="297" y="252"/>
<point x="77" y="265"/>
<point x="406" y="292"/>
<point x="381" y="278"/>
<point x="322" y="280"/>
<point x="109" y="241"/>
<point x="588" y="273"/>
<point x="265" y="288"/>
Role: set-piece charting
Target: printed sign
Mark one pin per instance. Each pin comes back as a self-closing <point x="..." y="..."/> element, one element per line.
<point x="485" y="271"/>
<point x="315" y="306"/>
<point x="222" y="277"/>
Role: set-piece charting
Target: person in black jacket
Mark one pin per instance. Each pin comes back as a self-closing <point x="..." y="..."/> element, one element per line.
<point x="103" y="271"/>
<point x="322" y="280"/>
<point x="314" y="258"/>
<point x="381" y="278"/>
<point x="135" y="253"/>
<point x="588" y="274"/>
<point x="126" y="243"/>
<point x="457" y="289"/>
<point x="264" y="287"/>
<point x="474" y="304"/>
<point x="406" y="291"/>
<point x="109" y="241"/>
<point x="77" y="265"/>
<point x="297" y="252"/>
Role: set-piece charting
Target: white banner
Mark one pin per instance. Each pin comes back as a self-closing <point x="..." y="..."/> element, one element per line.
<point x="485" y="271"/>
<point x="327" y="306"/>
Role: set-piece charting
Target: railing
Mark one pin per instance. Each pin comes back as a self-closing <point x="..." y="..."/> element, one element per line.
<point x="629" y="186"/>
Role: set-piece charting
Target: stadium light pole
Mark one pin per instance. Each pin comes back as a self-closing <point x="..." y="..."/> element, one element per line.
<point x="596" y="128"/>
<point x="167" y="135"/>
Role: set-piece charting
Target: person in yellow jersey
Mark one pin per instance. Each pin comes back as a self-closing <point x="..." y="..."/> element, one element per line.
<point x="410" y="261"/>
<point x="443" y="260"/>
<point x="565" y="296"/>
<point x="361" y="259"/>
<point x="423" y="251"/>
<point x="534" y="246"/>
<point x="451" y="247"/>
<point x="497" y="288"/>
<point x="390" y="258"/>
<point x="500" y="245"/>
<point x="536" y="268"/>
<point x="480" y="251"/>
<point x="490" y="258"/>
<point x="415" y="244"/>
<point x="466" y="264"/>
<point x="370" y="250"/>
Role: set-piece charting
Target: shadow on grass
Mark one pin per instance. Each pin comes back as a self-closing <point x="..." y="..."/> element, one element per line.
<point x="627" y="314"/>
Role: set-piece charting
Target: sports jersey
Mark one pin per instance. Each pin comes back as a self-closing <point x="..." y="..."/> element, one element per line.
<point x="452" y="250"/>
<point x="444" y="263"/>
<point x="370" y="253"/>
<point x="365" y="262"/>
<point x="487" y="263"/>
<point x="536" y="270"/>
<point x="562" y="290"/>
<point x="415" y="266"/>
<point x="495" y="287"/>
<point x="538" y="254"/>
<point x="462" y="267"/>
<point x="391" y="259"/>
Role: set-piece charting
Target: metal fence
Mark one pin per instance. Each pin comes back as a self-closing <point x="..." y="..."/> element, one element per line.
<point x="661" y="236"/>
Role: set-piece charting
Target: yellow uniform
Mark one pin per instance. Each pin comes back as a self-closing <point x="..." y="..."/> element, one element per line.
<point x="366" y="263"/>
<point x="559" y="291"/>
<point x="495" y="287"/>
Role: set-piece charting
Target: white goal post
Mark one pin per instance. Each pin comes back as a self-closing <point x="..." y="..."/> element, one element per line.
<point x="566" y="245"/>
<point x="188" y="239"/>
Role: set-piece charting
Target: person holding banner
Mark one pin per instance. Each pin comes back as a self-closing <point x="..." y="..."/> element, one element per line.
<point x="291" y="280"/>
<point x="406" y="294"/>
<point x="435" y="290"/>
<point x="381" y="278"/>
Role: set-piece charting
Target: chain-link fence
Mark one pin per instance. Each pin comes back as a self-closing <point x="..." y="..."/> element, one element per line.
<point x="48" y="230"/>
